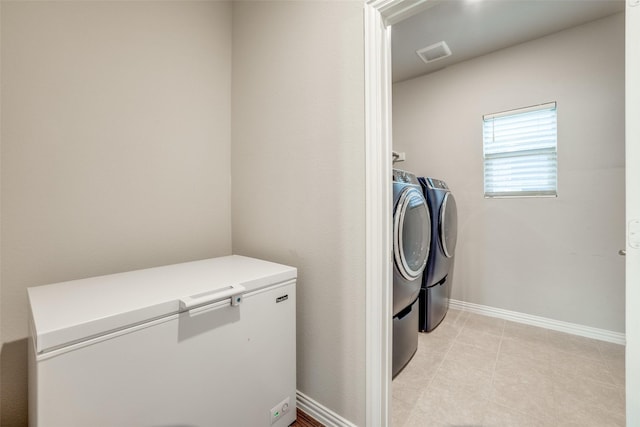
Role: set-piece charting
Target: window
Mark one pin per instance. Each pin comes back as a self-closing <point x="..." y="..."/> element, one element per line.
<point x="520" y="152"/>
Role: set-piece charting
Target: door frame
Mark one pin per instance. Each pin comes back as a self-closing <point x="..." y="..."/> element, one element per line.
<point x="378" y="215"/>
<point x="379" y="15"/>
<point x="632" y="188"/>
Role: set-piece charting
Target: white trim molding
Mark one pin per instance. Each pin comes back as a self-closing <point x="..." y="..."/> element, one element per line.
<point x="394" y="11"/>
<point x="632" y="208"/>
<point x="378" y="216"/>
<point x="320" y="412"/>
<point x="378" y="16"/>
<point x="542" y="322"/>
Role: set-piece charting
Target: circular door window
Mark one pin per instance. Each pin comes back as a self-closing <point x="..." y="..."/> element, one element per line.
<point x="412" y="233"/>
<point x="448" y="225"/>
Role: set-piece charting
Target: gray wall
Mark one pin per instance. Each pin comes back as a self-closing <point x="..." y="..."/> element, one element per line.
<point x="551" y="257"/>
<point x="115" y="148"/>
<point x="298" y="177"/>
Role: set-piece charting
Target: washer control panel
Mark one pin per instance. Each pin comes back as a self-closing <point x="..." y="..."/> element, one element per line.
<point x="404" y="177"/>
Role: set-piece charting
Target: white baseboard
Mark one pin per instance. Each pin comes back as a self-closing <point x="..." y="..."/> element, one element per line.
<point x="321" y="413"/>
<point x="542" y="322"/>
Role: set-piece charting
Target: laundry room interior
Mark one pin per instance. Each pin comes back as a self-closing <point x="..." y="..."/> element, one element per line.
<point x="143" y="141"/>
<point x="552" y="257"/>
<point x="551" y="262"/>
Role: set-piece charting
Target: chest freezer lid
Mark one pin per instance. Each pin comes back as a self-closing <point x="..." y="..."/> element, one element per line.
<point x="71" y="312"/>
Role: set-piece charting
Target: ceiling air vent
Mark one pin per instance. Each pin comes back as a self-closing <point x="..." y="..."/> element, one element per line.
<point x="434" y="52"/>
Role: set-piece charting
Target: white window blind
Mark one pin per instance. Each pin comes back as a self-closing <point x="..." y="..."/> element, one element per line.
<point x="520" y="152"/>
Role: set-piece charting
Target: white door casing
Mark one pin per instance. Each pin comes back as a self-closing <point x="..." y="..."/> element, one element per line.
<point x="378" y="16"/>
<point x="378" y="217"/>
<point x="632" y="170"/>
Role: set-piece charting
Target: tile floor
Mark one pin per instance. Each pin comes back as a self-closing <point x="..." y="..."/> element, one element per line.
<point x="481" y="371"/>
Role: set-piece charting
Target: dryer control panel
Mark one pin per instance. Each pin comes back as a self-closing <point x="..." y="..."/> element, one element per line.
<point x="437" y="184"/>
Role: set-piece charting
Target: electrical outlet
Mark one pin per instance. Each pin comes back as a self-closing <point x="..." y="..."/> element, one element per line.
<point x="279" y="410"/>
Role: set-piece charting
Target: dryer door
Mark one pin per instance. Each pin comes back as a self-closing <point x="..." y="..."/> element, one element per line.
<point x="448" y="225"/>
<point x="411" y="233"/>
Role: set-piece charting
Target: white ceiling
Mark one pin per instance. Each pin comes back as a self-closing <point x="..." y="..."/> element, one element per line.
<point x="476" y="27"/>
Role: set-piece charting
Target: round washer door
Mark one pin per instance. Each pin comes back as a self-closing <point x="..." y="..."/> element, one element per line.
<point x="411" y="233"/>
<point x="448" y="225"/>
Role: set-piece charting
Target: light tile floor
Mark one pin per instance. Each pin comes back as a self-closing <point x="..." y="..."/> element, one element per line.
<point x="475" y="370"/>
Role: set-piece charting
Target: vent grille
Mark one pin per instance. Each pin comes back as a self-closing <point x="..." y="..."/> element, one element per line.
<point x="434" y="52"/>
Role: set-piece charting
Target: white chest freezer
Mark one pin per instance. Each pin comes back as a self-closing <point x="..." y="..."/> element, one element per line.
<point x="200" y="344"/>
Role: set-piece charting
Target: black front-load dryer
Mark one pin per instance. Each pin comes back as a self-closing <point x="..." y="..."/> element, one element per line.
<point x="438" y="274"/>
<point x="411" y="240"/>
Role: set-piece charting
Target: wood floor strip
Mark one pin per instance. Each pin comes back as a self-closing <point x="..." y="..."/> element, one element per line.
<point x="304" y="420"/>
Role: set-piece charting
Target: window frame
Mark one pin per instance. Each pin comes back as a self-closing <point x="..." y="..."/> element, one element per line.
<point x="547" y="155"/>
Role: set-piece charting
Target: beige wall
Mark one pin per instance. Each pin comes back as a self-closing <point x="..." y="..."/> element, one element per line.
<point x="116" y="155"/>
<point x="553" y="257"/>
<point x="115" y="148"/>
<point x="298" y="177"/>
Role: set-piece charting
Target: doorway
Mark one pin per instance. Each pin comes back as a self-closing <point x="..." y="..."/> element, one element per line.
<point x="380" y="16"/>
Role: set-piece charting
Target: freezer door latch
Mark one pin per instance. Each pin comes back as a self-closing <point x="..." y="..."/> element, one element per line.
<point x="234" y="292"/>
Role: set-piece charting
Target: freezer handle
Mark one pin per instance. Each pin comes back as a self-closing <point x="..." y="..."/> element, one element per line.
<point x="234" y="292"/>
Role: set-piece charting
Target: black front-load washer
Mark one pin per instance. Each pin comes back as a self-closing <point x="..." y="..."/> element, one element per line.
<point x="411" y="238"/>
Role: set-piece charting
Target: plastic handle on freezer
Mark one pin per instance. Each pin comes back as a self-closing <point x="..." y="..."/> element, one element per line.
<point x="234" y="292"/>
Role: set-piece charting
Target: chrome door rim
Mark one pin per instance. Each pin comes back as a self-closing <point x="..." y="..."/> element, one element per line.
<point x="398" y="220"/>
<point x="443" y="240"/>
